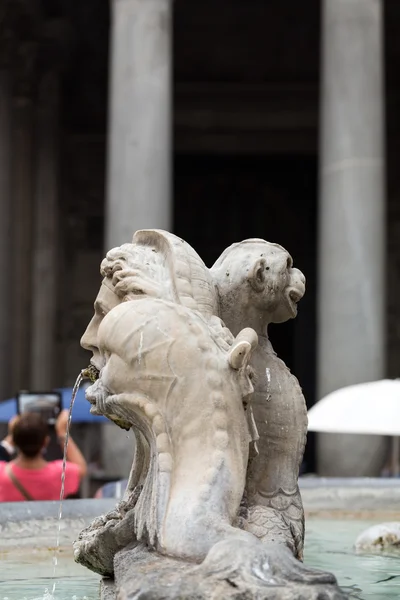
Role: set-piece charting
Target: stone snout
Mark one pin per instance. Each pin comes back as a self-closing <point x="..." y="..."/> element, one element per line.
<point x="295" y="290"/>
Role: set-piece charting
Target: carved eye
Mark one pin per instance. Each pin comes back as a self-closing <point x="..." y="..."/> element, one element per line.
<point x="289" y="263"/>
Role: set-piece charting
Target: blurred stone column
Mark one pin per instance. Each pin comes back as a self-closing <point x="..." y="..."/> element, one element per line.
<point x="22" y="210"/>
<point x="6" y="389"/>
<point x="351" y="297"/>
<point x="139" y="147"/>
<point x="45" y="236"/>
<point x="140" y="119"/>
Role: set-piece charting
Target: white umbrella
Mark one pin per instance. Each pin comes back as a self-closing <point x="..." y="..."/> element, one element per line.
<point x="368" y="408"/>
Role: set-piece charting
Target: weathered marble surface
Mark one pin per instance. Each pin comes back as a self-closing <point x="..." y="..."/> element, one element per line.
<point x="258" y="285"/>
<point x="231" y="571"/>
<point x="107" y="589"/>
<point x="212" y="507"/>
<point x="156" y="353"/>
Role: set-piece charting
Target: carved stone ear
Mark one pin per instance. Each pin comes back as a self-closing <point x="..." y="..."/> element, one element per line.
<point x="257" y="275"/>
<point x="248" y="335"/>
<point x="152" y="237"/>
<point x="239" y="354"/>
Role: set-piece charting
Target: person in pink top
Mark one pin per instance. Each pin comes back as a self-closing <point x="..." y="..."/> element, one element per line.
<point x="29" y="476"/>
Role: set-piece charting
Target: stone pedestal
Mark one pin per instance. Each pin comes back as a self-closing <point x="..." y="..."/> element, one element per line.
<point x="139" y="153"/>
<point x="351" y="295"/>
<point x="45" y="238"/>
<point x="232" y="570"/>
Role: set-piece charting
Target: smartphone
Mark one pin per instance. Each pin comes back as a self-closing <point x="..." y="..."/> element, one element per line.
<point x="48" y="404"/>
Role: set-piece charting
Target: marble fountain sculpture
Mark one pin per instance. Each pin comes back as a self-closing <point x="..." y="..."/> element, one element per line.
<point x="181" y="355"/>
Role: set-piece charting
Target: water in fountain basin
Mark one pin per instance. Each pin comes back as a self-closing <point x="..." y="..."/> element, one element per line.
<point x="25" y="576"/>
<point x="369" y="576"/>
<point x="329" y="546"/>
<point x="56" y="550"/>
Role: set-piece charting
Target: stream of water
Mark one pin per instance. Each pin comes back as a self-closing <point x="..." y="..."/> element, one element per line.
<point x="56" y="550"/>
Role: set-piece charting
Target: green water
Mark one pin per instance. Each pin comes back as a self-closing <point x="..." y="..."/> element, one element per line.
<point x="329" y="546"/>
<point x="27" y="574"/>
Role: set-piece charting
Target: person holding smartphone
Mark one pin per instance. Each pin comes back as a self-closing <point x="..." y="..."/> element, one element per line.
<point x="29" y="476"/>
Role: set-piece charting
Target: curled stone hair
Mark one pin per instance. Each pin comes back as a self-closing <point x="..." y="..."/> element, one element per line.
<point x="161" y="265"/>
<point x="137" y="270"/>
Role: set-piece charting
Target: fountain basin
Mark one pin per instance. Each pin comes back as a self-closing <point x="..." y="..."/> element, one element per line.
<point x="337" y="511"/>
<point x="28" y="536"/>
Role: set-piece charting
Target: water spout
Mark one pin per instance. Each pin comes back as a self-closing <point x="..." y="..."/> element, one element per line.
<point x="90" y="373"/>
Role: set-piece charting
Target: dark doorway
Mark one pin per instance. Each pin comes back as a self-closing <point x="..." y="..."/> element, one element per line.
<point x="220" y="200"/>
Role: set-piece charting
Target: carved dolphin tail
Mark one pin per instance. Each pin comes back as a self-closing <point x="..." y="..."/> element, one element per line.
<point x="282" y="524"/>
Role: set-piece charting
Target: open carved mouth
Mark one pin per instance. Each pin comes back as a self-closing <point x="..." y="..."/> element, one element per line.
<point x="91" y="373"/>
<point x="97" y="396"/>
<point x="295" y="296"/>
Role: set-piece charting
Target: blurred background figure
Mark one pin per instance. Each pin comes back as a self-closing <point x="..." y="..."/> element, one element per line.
<point x="29" y="476"/>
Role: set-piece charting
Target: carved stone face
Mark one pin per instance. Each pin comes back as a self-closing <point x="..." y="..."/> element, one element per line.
<point x="105" y="301"/>
<point x="257" y="277"/>
<point x="282" y="285"/>
<point x="155" y="353"/>
<point x="155" y="347"/>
